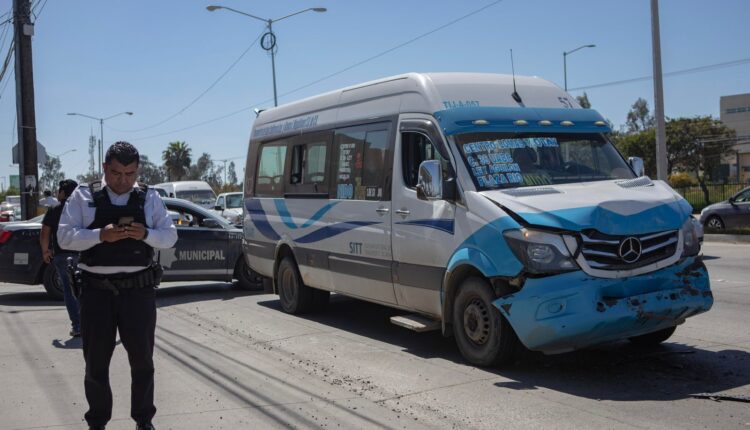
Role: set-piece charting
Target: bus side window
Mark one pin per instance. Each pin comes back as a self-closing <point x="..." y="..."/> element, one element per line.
<point x="416" y="148"/>
<point x="270" y="179"/>
<point x="359" y="160"/>
<point x="307" y="172"/>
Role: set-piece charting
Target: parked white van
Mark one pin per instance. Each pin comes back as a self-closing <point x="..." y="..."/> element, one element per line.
<point x="198" y="192"/>
<point x="499" y="209"/>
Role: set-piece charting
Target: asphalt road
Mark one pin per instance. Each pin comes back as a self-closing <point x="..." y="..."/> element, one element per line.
<point x="228" y="359"/>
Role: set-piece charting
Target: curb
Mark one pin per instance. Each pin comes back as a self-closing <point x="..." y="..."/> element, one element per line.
<point x="727" y="238"/>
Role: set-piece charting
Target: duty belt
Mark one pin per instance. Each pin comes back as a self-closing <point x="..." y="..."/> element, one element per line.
<point x="148" y="277"/>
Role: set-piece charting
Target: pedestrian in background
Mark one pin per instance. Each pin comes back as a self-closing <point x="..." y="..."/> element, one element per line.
<point x="57" y="256"/>
<point x="48" y="201"/>
<point x="116" y="225"/>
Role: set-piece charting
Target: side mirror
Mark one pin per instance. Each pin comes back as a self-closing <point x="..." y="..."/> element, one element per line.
<point x="636" y="163"/>
<point x="430" y="181"/>
<point x="211" y="223"/>
<point x="732" y="200"/>
<point x="218" y="208"/>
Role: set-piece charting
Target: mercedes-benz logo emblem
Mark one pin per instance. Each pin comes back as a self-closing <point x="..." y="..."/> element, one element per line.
<point x="630" y="249"/>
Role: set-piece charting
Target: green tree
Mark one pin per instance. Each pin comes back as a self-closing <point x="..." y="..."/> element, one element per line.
<point x="638" y="144"/>
<point x="150" y="173"/>
<point x="205" y="169"/>
<point x="584" y="101"/>
<point x="698" y="145"/>
<point x="231" y="174"/>
<point x="639" y="118"/>
<point x="177" y="160"/>
<point x="51" y="174"/>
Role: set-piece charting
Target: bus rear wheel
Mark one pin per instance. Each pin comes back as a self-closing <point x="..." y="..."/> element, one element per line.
<point x="483" y="335"/>
<point x="295" y="296"/>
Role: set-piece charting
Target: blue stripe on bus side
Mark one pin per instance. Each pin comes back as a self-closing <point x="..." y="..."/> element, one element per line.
<point x="258" y="216"/>
<point x="442" y="224"/>
<point x="332" y="230"/>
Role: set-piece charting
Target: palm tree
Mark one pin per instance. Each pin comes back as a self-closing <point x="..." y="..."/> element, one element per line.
<point x="176" y="160"/>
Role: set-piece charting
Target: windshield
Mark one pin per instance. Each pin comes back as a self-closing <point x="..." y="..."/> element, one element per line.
<point x="508" y="160"/>
<point x="200" y="197"/>
<point x="14" y="200"/>
<point x="234" y="201"/>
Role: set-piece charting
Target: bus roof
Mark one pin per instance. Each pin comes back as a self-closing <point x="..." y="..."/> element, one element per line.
<point x="411" y="93"/>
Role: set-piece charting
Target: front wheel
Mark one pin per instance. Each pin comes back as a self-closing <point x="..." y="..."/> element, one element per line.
<point x="655" y="338"/>
<point x="715" y="223"/>
<point x="483" y="335"/>
<point x="295" y="296"/>
<point x="247" y="278"/>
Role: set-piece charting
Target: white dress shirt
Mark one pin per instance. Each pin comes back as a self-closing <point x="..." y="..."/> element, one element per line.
<point x="79" y="213"/>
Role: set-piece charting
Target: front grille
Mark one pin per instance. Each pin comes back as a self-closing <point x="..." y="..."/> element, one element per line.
<point x="601" y="251"/>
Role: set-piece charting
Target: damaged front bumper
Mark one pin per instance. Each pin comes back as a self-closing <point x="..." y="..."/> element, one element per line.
<point x="573" y="310"/>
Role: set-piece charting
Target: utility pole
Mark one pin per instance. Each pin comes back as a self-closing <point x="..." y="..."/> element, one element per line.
<point x="24" y="29"/>
<point x="661" y="132"/>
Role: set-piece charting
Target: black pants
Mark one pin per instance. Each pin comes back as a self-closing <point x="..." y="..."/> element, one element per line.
<point x="133" y="313"/>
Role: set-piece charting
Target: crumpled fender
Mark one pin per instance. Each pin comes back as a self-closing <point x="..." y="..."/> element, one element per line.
<point x="574" y="310"/>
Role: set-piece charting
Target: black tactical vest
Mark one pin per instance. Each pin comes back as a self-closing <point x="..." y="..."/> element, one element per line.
<point x="125" y="252"/>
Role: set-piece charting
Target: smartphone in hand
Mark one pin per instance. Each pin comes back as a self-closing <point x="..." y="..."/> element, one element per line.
<point x="125" y="220"/>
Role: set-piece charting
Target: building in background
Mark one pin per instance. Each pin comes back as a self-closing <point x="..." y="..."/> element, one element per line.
<point x="735" y="114"/>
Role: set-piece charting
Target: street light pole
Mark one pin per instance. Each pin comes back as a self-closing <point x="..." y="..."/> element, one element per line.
<point x="101" y="131"/>
<point x="662" y="172"/>
<point x="565" y="62"/>
<point x="268" y="40"/>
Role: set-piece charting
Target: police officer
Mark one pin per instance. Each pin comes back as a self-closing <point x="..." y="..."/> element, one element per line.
<point x="116" y="225"/>
<point x="57" y="256"/>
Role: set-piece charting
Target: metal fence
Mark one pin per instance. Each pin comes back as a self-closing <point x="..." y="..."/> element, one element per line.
<point x="716" y="193"/>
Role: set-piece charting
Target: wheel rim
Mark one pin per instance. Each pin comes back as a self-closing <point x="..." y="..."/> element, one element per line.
<point x="477" y="321"/>
<point x="715" y="223"/>
<point x="288" y="286"/>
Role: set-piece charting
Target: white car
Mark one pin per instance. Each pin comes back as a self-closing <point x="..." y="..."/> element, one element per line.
<point x="229" y="206"/>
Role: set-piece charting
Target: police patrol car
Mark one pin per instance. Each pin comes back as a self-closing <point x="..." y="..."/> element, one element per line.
<point x="493" y="205"/>
<point x="208" y="248"/>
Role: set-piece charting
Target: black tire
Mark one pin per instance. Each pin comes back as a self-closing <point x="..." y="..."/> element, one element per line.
<point x="655" y="338"/>
<point x="714" y="222"/>
<point x="483" y="335"/>
<point x="52" y="283"/>
<point x="247" y="278"/>
<point x="295" y="296"/>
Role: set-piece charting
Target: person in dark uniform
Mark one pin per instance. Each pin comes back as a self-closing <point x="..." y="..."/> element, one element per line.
<point x="57" y="256"/>
<point x="116" y="225"/>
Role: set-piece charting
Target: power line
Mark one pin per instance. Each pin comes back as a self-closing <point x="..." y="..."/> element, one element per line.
<point x="186" y="107"/>
<point x="6" y="63"/>
<point x="675" y="73"/>
<point x="380" y="54"/>
<point x="389" y="50"/>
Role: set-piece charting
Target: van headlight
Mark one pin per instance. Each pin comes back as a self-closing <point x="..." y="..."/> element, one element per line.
<point x="692" y="233"/>
<point x="540" y="252"/>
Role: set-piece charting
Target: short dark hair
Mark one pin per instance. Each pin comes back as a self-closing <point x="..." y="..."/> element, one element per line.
<point x="123" y="152"/>
<point x="47" y="193"/>
<point x="68" y="186"/>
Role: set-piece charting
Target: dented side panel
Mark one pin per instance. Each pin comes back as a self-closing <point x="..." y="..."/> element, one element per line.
<point x="574" y="310"/>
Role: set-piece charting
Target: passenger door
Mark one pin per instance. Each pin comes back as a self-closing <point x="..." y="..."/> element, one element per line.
<point x="423" y="231"/>
<point x="738" y="214"/>
<point x="361" y="256"/>
<point x="201" y="252"/>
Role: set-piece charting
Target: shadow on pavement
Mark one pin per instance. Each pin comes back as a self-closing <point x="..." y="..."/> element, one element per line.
<point x="171" y="294"/>
<point x="180" y="294"/>
<point x="616" y="371"/>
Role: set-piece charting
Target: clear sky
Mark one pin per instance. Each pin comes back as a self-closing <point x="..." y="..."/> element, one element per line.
<point x="156" y="57"/>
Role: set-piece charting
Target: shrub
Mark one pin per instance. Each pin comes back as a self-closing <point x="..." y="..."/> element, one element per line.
<point x="681" y="180"/>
